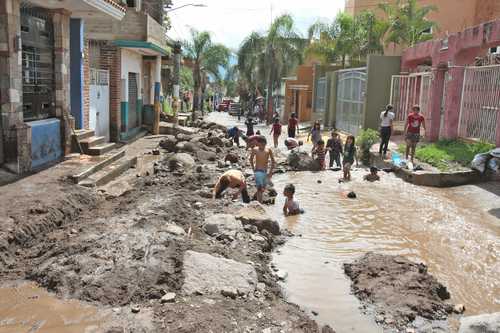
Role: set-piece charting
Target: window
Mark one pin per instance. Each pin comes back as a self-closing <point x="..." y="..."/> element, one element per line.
<point x="131" y="3"/>
<point x="427" y="31"/>
<point x="495" y="50"/>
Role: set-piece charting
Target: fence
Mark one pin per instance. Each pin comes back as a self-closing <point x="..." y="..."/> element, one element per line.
<point x="321" y="95"/>
<point x="410" y="90"/>
<point x="480" y="108"/>
<point x="351" y="91"/>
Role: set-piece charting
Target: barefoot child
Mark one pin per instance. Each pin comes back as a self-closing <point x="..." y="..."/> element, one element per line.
<point x="334" y="147"/>
<point x="320" y="152"/>
<point x="259" y="160"/>
<point x="276" y="131"/>
<point x="291" y="206"/>
<point x="372" y="176"/>
<point x="349" y="156"/>
<point x="232" y="179"/>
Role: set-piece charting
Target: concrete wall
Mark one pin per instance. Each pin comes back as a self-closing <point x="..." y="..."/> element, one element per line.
<point x="380" y="70"/>
<point x="304" y="78"/>
<point x="46" y="142"/>
<point x="331" y="114"/>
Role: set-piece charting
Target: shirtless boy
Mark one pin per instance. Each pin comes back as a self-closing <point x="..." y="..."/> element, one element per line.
<point x="232" y="179"/>
<point x="259" y="160"/>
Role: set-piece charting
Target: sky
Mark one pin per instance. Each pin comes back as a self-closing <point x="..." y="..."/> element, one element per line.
<point x="230" y="21"/>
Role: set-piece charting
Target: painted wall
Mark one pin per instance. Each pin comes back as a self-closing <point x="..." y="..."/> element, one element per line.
<point x="46" y="142"/>
<point x="304" y="78"/>
<point x="131" y="62"/>
<point x="76" y="70"/>
<point x="380" y="70"/>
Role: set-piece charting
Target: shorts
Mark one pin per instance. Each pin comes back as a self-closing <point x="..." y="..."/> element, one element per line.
<point x="347" y="165"/>
<point x="413" y="137"/>
<point x="260" y="179"/>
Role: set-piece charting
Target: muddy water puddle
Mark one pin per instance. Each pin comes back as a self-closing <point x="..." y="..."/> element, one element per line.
<point x="450" y="230"/>
<point x="26" y="308"/>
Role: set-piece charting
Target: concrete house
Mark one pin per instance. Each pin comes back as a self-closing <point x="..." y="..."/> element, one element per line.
<point x="41" y="70"/>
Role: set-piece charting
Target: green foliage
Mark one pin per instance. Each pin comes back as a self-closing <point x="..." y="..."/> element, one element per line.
<point x="408" y="23"/>
<point x="445" y="153"/>
<point x="365" y="140"/>
<point x="186" y="78"/>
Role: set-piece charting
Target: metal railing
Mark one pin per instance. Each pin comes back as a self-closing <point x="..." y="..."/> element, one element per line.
<point x="410" y="90"/>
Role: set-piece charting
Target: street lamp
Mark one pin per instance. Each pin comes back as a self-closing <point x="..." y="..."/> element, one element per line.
<point x="187" y="5"/>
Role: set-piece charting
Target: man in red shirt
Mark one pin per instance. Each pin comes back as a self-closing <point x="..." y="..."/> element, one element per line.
<point x="412" y="131"/>
<point x="293" y="125"/>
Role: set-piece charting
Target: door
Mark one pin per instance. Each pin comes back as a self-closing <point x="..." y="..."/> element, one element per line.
<point x="133" y="120"/>
<point x="37" y="64"/>
<point x="99" y="102"/>
<point x="351" y="91"/>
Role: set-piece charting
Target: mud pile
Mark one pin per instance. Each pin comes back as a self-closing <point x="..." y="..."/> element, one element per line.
<point x="400" y="290"/>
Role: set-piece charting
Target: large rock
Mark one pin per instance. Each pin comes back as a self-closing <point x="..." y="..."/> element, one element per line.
<point x="184" y="137"/>
<point x="301" y="161"/>
<point x="204" y="273"/>
<point x="169" y="143"/>
<point x="206" y="155"/>
<point x="485" y="323"/>
<point x="174" y="129"/>
<point x="181" y="160"/>
<point x="224" y="225"/>
<point x="255" y="214"/>
<point x="189" y="147"/>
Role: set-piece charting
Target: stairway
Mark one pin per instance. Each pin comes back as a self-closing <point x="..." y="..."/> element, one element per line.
<point x="91" y="144"/>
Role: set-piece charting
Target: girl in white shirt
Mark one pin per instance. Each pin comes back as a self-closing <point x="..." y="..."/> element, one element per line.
<point x="386" y="119"/>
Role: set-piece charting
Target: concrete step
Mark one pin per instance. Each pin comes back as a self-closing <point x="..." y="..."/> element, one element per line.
<point x="84" y="134"/>
<point x="80" y="176"/>
<point x="101" y="149"/>
<point x="110" y="172"/>
<point x="92" y="141"/>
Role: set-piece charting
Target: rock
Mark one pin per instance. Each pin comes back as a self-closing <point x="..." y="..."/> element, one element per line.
<point x="168" y="143"/>
<point x="222" y="225"/>
<point x="281" y="275"/>
<point x="319" y="181"/>
<point x="327" y="329"/>
<point x="351" y="195"/>
<point x="184" y="137"/>
<point x="188" y="147"/>
<point x="155" y="152"/>
<point x="204" y="273"/>
<point x="179" y="147"/>
<point x="215" y="141"/>
<point x="174" y="230"/>
<point x="267" y="330"/>
<point x="73" y="231"/>
<point x="168" y="298"/>
<point x="251" y="228"/>
<point x="301" y="161"/>
<point x="135" y="309"/>
<point x="231" y="157"/>
<point x="206" y="155"/>
<point x="227" y="143"/>
<point x="255" y="214"/>
<point x="257" y="238"/>
<point x="229" y="292"/>
<point x="181" y="160"/>
<point x="459" y="308"/>
<point x="198" y="205"/>
<point x="315" y="312"/>
<point x="117" y="189"/>
<point x="485" y="323"/>
<point x="174" y="129"/>
<point x="205" y="194"/>
<point x="261" y="287"/>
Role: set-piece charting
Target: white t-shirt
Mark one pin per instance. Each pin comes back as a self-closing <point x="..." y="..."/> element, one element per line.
<point x="386" y="121"/>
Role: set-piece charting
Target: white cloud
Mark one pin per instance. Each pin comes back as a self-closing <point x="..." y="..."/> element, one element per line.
<point x="232" y="20"/>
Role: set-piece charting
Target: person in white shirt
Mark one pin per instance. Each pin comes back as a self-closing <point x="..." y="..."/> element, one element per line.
<point x="386" y="119"/>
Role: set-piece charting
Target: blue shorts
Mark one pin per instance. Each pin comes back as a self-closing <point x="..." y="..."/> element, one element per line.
<point x="260" y="178"/>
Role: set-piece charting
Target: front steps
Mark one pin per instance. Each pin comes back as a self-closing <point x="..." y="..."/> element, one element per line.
<point x="91" y="144"/>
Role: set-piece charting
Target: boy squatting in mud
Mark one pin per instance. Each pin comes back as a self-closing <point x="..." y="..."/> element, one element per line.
<point x="259" y="160"/>
<point x="232" y="179"/>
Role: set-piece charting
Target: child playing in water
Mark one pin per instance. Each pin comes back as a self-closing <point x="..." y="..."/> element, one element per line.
<point x="372" y="176"/>
<point x="320" y="152"/>
<point x="334" y="146"/>
<point x="259" y="160"/>
<point x="276" y="131"/>
<point x="349" y="156"/>
<point x="291" y="206"/>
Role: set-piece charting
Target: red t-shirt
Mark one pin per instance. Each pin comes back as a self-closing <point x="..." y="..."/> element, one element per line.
<point x="414" y="122"/>
<point x="277" y="129"/>
<point x="292" y="123"/>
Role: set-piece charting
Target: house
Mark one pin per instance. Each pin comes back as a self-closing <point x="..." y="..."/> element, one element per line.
<point x="457" y="81"/>
<point x="41" y="72"/>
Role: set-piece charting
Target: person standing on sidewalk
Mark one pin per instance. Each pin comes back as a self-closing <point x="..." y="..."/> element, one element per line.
<point x="386" y="119"/>
<point x="412" y="131"/>
<point x="276" y="131"/>
<point x="293" y="126"/>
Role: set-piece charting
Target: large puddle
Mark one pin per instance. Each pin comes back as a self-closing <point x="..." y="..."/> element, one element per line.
<point x="450" y="230"/>
<point x="26" y="308"/>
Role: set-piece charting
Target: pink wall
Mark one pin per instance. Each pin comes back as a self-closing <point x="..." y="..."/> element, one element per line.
<point x="462" y="50"/>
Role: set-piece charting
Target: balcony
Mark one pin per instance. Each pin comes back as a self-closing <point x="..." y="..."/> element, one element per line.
<point x="86" y="8"/>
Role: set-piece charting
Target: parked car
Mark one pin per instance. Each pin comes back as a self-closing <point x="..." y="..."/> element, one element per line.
<point x="234" y="109"/>
<point x="224" y="105"/>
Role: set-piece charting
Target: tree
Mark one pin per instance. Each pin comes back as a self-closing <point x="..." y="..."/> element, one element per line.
<point x="207" y="57"/>
<point x="264" y="58"/>
<point x="408" y="23"/>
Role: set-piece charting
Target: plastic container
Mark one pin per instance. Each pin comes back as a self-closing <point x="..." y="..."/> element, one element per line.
<point x="396" y="159"/>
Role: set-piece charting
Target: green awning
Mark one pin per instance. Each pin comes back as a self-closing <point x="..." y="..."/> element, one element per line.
<point x="146" y="48"/>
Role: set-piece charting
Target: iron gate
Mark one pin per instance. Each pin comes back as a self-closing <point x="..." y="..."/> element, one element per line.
<point x="479" y="112"/>
<point x="410" y="90"/>
<point x="37" y="63"/>
<point x="320" y="103"/>
<point x="351" y="91"/>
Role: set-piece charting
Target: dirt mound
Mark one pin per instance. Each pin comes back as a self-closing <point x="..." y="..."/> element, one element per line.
<point x="399" y="289"/>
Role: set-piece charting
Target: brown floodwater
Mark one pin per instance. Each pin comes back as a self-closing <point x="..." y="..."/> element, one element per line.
<point x="25" y="308"/>
<point x="456" y="232"/>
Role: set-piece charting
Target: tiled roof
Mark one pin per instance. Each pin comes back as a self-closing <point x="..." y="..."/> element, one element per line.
<point x="118" y="4"/>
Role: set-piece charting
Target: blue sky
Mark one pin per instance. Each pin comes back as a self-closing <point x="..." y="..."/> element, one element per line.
<point x="230" y="21"/>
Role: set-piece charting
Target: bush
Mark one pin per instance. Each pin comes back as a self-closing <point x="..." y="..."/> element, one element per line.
<point x="365" y="140"/>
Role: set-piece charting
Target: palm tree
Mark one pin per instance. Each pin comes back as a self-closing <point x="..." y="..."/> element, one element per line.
<point x="264" y="58"/>
<point x="207" y="57"/>
<point x="408" y="23"/>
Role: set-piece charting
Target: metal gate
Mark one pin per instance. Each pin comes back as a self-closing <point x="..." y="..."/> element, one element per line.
<point x="479" y="112"/>
<point x="133" y="120"/>
<point x="410" y="90"/>
<point x="320" y="103"/>
<point x="99" y="102"/>
<point x="351" y="91"/>
<point x="37" y="64"/>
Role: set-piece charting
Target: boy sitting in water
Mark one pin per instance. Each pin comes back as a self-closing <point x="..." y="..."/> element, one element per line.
<point x="372" y="176"/>
<point x="291" y="206"/>
<point x="259" y="160"/>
